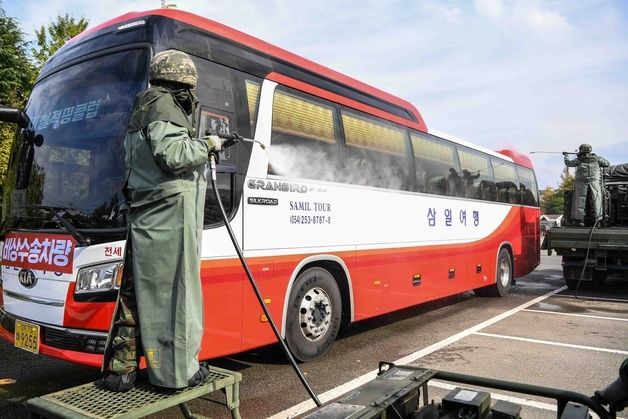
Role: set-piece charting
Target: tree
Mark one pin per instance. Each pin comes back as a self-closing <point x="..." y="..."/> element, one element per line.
<point x="15" y="68"/>
<point x="567" y="181"/>
<point x="52" y="37"/>
<point x="553" y="200"/>
<point x="16" y="74"/>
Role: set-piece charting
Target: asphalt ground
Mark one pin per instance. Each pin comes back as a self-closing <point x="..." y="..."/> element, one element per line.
<point x="539" y="335"/>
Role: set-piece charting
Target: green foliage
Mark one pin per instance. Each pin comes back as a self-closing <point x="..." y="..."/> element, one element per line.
<point x="7" y="132"/>
<point x="547" y="195"/>
<point x="16" y="74"/>
<point x="16" y="71"/>
<point x="553" y="200"/>
<point x="52" y="37"/>
<point x="567" y="180"/>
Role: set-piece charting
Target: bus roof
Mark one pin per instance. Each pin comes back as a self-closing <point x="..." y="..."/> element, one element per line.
<point x="273" y="51"/>
<point x="263" y="47"/>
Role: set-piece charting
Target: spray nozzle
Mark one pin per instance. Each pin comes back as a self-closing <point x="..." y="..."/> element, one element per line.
<point x="232" y="138"/>
<point x="229" y="139"/>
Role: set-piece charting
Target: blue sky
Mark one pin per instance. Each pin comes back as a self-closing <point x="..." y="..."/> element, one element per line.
<point x="526" y="74"/>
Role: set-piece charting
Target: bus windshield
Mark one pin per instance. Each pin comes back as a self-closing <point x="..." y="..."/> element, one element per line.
<point x="81" y="112"/>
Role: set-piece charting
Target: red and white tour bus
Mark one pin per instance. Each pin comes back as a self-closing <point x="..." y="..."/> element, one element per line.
<point x="354" y="209"/>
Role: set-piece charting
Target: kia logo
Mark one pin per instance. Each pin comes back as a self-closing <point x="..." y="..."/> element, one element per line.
<point x="27" y="278"/>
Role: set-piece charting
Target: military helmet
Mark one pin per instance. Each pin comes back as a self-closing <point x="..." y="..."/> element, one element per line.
<point x="174" y="66"/>
<point x="585" y="148"/>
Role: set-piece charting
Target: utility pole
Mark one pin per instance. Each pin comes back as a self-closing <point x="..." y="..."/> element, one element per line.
<point x="165" y="5"/>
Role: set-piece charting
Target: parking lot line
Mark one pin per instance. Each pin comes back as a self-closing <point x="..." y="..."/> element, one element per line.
<point x="530" y="310"/>
<point x="547" y="342"/>
<point x="356" y="382"/>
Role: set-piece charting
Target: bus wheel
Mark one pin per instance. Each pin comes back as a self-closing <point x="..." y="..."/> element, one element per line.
<point x="504" y="274"/>
<point x="314" y="314"/>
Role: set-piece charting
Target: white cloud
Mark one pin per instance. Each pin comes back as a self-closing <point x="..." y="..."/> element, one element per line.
<point x="493" y="9"/>
<point x="450" y="14"/>
<point x="541" y="20"/>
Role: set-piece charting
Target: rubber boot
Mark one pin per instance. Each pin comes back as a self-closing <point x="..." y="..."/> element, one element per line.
<point x="200" y="375"/>
<point x="119" y="383"/>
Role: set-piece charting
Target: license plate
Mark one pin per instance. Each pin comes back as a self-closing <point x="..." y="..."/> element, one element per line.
<point x="27" y="336"/>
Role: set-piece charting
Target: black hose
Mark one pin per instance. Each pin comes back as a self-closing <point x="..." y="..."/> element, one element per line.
<point x="258" y="294"/>
<point x="586" y="256"/>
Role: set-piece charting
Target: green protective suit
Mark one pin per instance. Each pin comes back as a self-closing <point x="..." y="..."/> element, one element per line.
<point x="588" y="177"/>
<point x="166" y="196"/>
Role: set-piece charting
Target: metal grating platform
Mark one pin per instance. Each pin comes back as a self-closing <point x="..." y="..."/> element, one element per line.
<point x="94" y="401"/>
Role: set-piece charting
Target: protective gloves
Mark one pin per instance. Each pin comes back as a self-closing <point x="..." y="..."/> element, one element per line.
<point x="214" y="143"/>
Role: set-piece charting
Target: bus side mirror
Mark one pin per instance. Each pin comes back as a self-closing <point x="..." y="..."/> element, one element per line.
<point x="14" y="116"/>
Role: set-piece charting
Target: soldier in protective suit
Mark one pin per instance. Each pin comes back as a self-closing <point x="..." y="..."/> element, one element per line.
<point x="159" y="312"/>
<point x="588" y="178"/>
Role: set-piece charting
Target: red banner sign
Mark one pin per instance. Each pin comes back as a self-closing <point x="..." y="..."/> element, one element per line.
<point x="46" y="252"/>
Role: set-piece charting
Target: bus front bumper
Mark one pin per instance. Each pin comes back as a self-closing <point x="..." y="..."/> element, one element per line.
<point x="78" y="346"/>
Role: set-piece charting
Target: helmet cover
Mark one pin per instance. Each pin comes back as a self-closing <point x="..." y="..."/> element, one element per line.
<point x="173" y="66"/>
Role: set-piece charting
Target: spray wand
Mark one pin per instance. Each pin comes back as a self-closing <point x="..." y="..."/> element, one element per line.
<point x="552" y="152"/>
<point x="229" y="140"/>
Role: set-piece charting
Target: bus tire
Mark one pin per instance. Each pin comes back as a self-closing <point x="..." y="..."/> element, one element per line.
<point x="314" y="314"/>
<point x="504" y="276"/>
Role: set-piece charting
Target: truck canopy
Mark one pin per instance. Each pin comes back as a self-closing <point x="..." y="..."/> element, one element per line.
<point x="618" y="171"/>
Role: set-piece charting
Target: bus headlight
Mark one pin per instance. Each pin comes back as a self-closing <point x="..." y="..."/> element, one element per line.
<point x="105" y="277"/>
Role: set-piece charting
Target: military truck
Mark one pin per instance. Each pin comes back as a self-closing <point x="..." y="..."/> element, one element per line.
<point x="595" y="251"/>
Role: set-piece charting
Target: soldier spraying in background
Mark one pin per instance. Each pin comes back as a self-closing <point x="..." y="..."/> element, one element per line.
<point x="588" y="178"/>
<point x="159" y="312"/>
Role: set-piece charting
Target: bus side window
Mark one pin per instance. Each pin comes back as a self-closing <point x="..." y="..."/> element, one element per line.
<point x="529" y="190"/>
<point x="506" y="182"/>
<point x="212" y="213"/>
<point x="253" y="90"/>
<point x="303" y="141"/>
<point x="375" y="153"/>
<point x="216" y="113"/>
<point x="214" y="86"/>
<point x="221" y="122"/>
<point x="246" y="95"/>
<point x="477" y="175"/>
<point x="437" y="169"/>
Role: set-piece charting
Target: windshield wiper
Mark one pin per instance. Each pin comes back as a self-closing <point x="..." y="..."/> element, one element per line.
<point x="82" y="240"/>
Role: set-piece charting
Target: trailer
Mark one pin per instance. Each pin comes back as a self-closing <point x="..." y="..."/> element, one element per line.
<point x="594" y="251"/>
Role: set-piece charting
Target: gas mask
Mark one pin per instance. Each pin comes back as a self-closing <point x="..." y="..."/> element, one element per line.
<point x="186" y="99"/>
